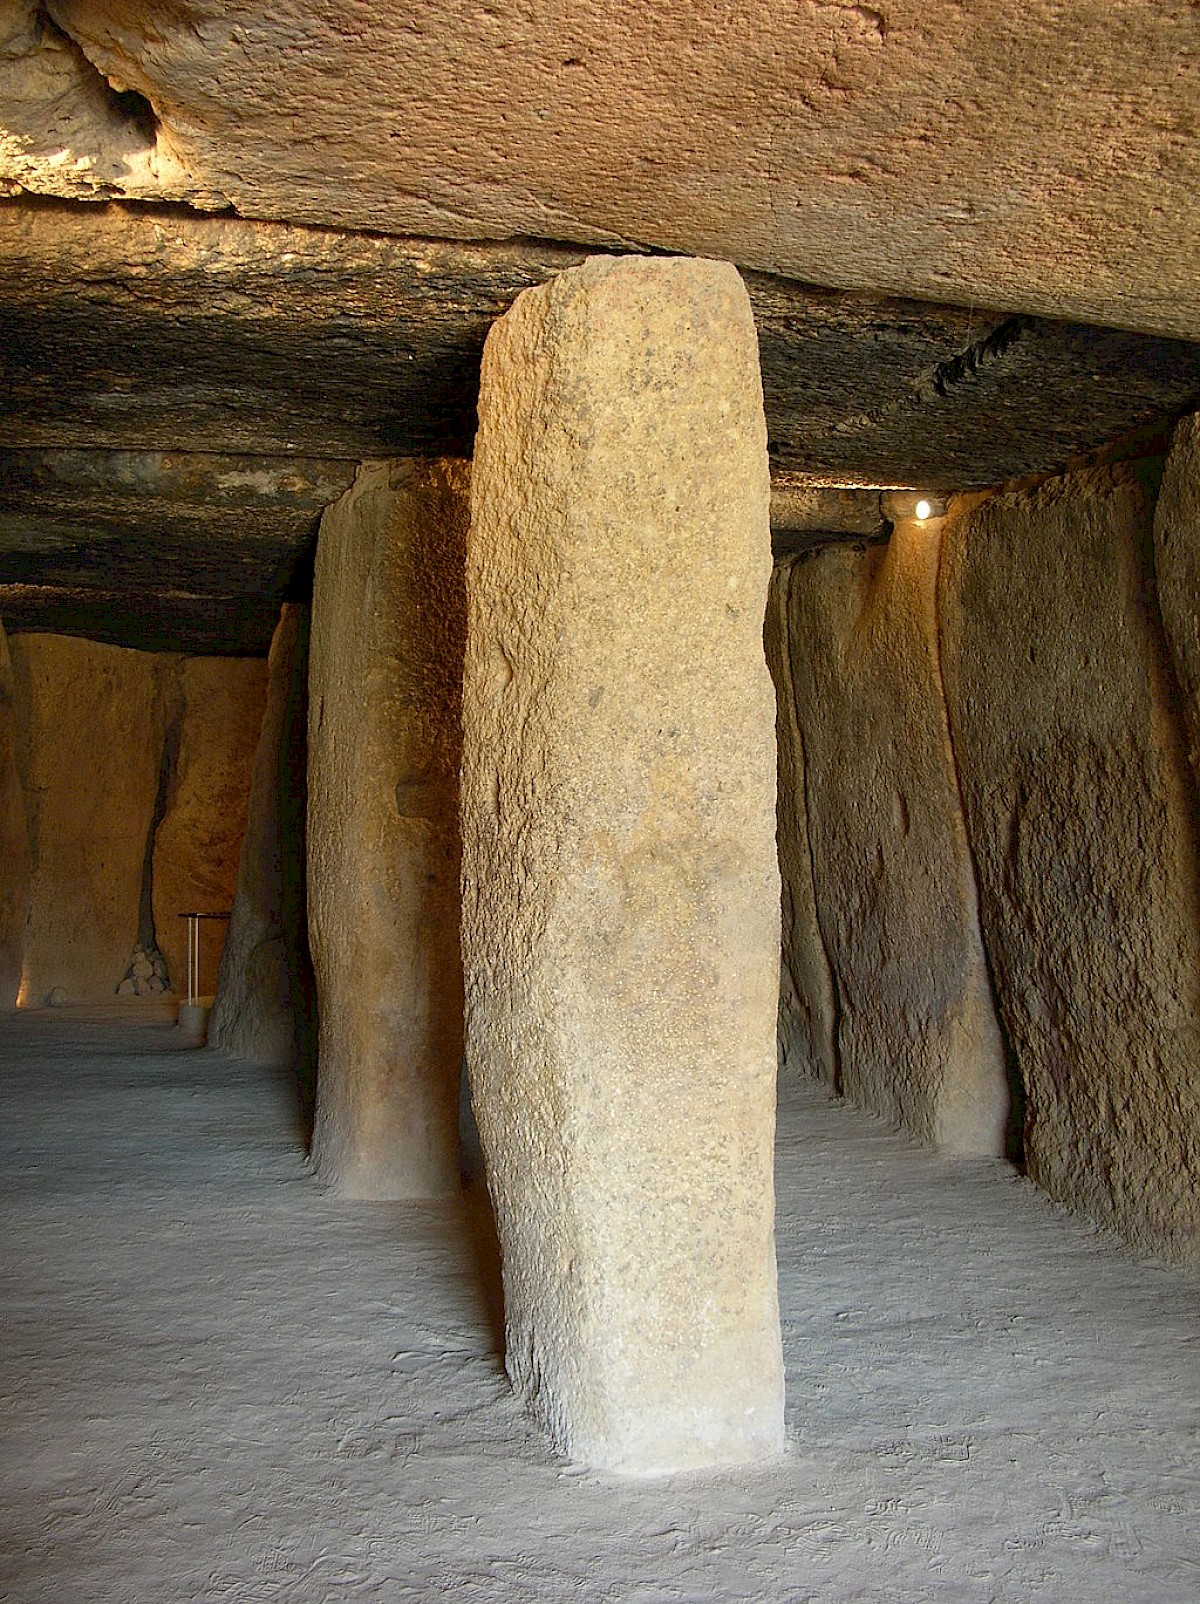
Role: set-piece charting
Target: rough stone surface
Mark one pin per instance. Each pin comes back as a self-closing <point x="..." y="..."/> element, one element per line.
<point x="1177" y="570"/>
<point x="384" y="743"/>
<point x="992" y="154"/>
<point x="14" y="850"/>
<point x="167" y="620"/>
<point x="807" y="1006"/>
<point x="216" y="335"/>
<point x="197" y="845"/>
<point x="65" y="130"/>
<point x="621" y="894"/>
<point x="806" y="515"/>
<point x="1080" y="805"/>
<point x="90" y="724"/>
<point x="135" y="331"/>
<point x="232" y="537"/>
<point x="264" y="1006"/>
<point x="917" y="1038"/>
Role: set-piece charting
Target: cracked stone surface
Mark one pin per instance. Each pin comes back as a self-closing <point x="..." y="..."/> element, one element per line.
<point x="184" y="395"/>
<point x="132" y="329"/>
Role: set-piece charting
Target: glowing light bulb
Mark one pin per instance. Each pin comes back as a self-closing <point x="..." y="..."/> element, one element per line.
<point x="923" y="510"/>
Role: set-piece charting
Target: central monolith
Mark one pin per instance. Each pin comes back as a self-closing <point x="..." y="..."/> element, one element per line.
<point x="621" y="892"/>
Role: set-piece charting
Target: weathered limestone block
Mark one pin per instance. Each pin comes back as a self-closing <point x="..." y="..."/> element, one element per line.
<point x="90" y="723"/>
<point x="621" y="894"/>
<point x="263" y="1009"/>
<point x="14" y="851"/>
<point x="228" y="467"/>
<point x="917" y="1039"/>
<point x="1080" y="808"/>
<point x="198" y="843"/>
<point x="74" y="554"/>
<point x="1177" y="568"/>
<point x="385" y="736"/>
<point x="924" y="147"/>
<point x="807" y="1008"/>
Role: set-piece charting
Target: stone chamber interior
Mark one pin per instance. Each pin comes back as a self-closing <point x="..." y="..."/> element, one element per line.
<point x="655" y="604"/>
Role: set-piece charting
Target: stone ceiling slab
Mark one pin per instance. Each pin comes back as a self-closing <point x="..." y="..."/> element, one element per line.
<point x="143" y="330"/>
<point x="182" y="395"/>
<point x="141" y="548"/>
<point x="1038" y="157"/>
<point x="112" y="517"/>
<point x="148" y="621"/>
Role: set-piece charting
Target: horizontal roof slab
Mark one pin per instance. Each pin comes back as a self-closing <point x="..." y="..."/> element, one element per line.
<point x="1038" y="157"/>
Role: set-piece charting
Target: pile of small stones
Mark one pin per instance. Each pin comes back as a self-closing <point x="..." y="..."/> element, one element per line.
<point x="147" y="974"/>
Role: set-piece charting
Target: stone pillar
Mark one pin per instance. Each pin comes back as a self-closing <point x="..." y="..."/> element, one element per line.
<point x="14" y="851"/>
<point x="1177" y="570"/>
<point x="264" y="1008"/>
<point x="917" y="1036"/>
<point x="385" y="691"/>
<point x="807" y="1009"/>
<point x="621" y="893"/>
<point x="1080" y="804"/>
<point x="90" y="728"/>
<point x="198" y="843"/>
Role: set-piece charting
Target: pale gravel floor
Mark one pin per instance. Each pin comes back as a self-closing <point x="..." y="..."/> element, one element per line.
<point x="219" y="1383"/>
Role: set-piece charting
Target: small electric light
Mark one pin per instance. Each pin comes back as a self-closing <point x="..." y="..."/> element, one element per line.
<point x="923" y="510"/>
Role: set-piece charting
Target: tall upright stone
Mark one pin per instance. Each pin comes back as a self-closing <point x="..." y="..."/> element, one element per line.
<point x="917" y="1036"/>
<point x="14" y="850"/>
<point x="621" y="893"/>
<point x="807" y="1006"/>
<point x="264" y="1007"/>
<point x="1177" y="569"/>
<point x="198" y="842"/>
<point x="385" y="692"/>
<point x="1080" y="806"/>
<point x="90" y="726"/>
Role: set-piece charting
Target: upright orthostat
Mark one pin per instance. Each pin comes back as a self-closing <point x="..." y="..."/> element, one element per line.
<point x="385" y="680"/>
<point x="89" y="735"/>
<point x="621" y="893"/>
<point x="893" y="884"/>
<point x="263" y="1008"/>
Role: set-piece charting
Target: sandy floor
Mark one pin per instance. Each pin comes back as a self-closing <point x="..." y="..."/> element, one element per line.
<point x="219" y="1383"/>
